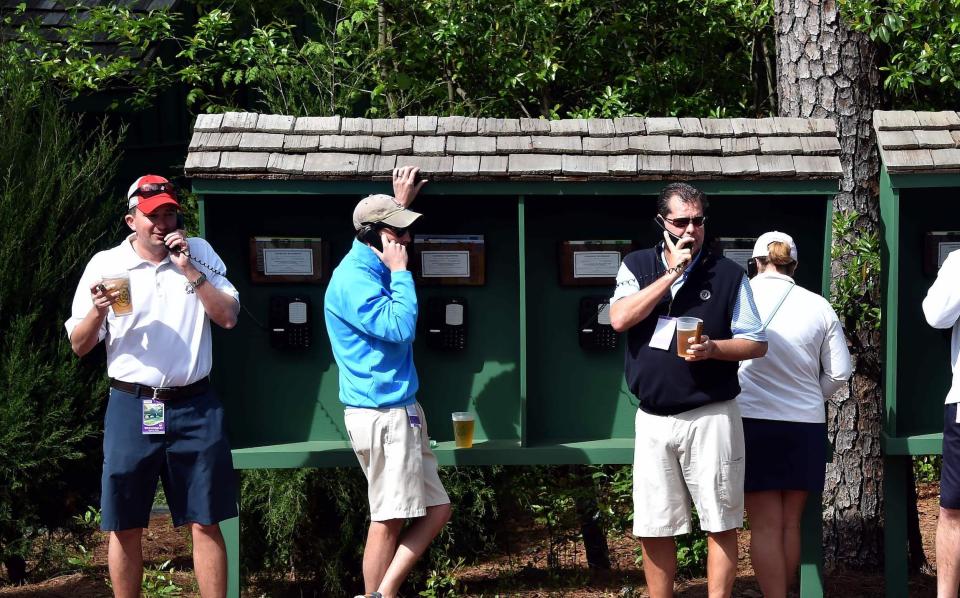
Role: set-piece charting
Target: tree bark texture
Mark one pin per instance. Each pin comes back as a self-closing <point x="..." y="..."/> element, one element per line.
<point x="383" y="40"/>
<point x="824" y="70"/>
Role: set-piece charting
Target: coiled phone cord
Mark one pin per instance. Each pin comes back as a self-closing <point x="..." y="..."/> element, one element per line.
<point x="219" y="273"/>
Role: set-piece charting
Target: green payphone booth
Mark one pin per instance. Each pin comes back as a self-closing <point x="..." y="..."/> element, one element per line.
<point x="525" y="223"/>
<point x="919" y="189"/>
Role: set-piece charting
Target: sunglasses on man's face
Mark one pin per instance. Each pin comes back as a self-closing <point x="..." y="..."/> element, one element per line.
<point x="398" y="231"/>
<point x="150" y="189"/>
<point x="685" y="222"/>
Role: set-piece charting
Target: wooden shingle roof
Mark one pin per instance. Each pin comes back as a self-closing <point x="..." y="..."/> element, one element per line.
<point x="240" y="145"/>
<point x="918" y="142"/>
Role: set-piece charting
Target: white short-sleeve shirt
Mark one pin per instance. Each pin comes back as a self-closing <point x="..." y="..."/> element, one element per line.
<point x="807" y="358"/>
<point x="166" y="340"/>
<point x="941" y="307"/>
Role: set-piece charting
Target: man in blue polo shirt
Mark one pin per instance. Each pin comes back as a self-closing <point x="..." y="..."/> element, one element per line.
<point x="371" y="317"/>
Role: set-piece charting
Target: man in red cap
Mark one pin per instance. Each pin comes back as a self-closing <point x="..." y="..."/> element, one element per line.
<point x="151" y="298"/>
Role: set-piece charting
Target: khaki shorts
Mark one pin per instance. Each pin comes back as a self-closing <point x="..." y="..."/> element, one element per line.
<point x="692" y="456"/>
<point x="401" y="470"/>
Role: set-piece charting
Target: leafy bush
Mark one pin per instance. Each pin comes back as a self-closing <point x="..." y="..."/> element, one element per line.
<point x="922" y="40"/>
<point x="692" y="552"/>
<point x="501" y="58"/>
<point x="308" y="527"/>
<point x="926" y="468"/>
<point x="53" y="179"/>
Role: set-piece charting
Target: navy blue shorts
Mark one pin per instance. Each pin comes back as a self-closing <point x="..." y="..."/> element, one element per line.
<point x="192" y="460"/>
<point x="784" y="455"/>
<point x="950" y="468"/>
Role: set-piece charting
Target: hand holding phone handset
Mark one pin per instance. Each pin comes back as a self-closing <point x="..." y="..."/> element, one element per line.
<point x="179" y="248"/>
<point x="391" y="253"/>
<point x="676" y="250"/>
<point x="176" y="241"/>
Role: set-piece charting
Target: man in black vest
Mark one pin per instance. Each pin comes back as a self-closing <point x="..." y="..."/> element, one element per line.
<point x="689" y="442"/>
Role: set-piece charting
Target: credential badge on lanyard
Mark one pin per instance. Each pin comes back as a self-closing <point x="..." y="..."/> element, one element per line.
<point x="153" y="421"/>
<point x="413" y="417"/>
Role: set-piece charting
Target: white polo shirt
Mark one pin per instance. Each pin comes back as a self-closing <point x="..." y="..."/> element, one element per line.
<point x="941" y="307"/>
<point x="166" y="340"/>
<point x="807" y="357"/>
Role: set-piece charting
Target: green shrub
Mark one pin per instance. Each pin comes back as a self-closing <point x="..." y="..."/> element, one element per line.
<point x="308" y="527"/>
<point x="53" y="218"/>
<point x="926" y="468"/>
<point x="692" y="552"/>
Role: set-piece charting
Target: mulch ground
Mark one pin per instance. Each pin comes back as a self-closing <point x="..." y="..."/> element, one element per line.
<point x="521" y="570"/>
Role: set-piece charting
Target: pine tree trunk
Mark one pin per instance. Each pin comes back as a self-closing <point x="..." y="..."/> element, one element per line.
<point x="826" y="71"/>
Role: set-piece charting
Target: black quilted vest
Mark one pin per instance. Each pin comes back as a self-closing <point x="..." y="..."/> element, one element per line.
<point x="664" y="383"/>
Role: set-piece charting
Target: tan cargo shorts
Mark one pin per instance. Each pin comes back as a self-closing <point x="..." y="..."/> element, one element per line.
<point x="401" y="470"/>
<point x="696" y="456"/>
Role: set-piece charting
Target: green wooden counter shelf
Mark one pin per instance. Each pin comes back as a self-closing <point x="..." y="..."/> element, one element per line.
<point x="526" y="185"/>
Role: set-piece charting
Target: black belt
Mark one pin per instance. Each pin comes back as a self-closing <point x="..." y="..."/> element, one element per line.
<point x="169" y="393"/>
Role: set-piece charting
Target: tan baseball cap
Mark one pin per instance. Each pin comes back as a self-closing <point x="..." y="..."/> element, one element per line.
<point x="382" y="208"/>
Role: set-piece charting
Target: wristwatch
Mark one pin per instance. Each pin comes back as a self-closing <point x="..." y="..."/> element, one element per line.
<point x="199" y="281"/>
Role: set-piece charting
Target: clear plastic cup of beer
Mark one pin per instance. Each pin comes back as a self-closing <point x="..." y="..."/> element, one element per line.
<point x="462" y="429"/>
<point x="119" y="282"/>
<point x="688" y="328"/>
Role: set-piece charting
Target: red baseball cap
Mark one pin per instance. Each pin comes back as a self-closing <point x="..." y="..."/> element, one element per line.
<point x="151" y="191"/>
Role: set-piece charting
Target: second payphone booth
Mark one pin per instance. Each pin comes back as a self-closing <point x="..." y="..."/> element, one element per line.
<point x="920" y="214"/>
<point x="525" y="223"/>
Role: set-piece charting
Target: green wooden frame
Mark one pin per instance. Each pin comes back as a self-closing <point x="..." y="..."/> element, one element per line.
<point x="898" y="448"/>
<point x="610" y="451"/>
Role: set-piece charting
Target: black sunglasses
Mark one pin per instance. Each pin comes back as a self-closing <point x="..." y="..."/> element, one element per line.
<point x="397" y="230"/>
<point x="150" y="189"/>
<point x="685" y="222"/>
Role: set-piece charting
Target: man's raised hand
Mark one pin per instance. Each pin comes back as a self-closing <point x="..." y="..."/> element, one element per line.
<point x="393" y="256"/>
<point x="405" y="184"/>
<point x="679" y="253"/>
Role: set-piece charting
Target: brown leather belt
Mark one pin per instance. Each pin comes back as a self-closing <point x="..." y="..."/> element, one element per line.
<point x="169" y="393"/>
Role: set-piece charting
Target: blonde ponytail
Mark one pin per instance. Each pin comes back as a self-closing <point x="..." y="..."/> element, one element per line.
<point x="779" y="253"/>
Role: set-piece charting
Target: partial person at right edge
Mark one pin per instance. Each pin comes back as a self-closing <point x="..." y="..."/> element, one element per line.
<point x="942" y="310"/>
<point x="781" y="400"/>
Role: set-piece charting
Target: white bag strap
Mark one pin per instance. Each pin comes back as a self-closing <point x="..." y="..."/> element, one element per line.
<point x="777" y="308"/>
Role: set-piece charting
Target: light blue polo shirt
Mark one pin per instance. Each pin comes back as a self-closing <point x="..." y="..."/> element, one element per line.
<point x="371" y="319"/>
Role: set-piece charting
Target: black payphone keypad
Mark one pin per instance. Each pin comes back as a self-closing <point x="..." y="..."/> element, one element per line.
<point x="290" y="323"/>
<point x="595" y="332"/>
<point x="446" y="323"/>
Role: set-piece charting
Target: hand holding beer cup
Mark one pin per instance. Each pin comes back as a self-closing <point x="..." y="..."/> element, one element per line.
<point x="689" y="335"/>
<point x="113" y="291"/>
<point x="702" y="350"/>
<point x="102" y="297"/>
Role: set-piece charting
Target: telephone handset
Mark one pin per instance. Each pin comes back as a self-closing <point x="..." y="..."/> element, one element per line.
<point x="370" y="235"/>
<point x="290" y="322"/>
<point x="595" y="331"/>
<point x="179" y="249"/>
<point x="659" y="220"/>
<point x="446" y="323"/>
<point x="180" y="225"/>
